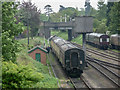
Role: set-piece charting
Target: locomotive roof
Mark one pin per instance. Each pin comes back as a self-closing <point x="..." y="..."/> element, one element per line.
<point x="96" y="34"/>
<point x="115" y="35"/>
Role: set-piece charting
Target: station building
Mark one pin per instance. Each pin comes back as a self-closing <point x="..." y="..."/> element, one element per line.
<point x="39" y="54"/>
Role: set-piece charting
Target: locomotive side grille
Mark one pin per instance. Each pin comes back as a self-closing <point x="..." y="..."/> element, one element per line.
<point x="74" y="59"/>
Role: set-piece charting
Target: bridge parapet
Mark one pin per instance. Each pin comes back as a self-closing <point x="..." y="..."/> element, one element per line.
<point x="58" y="24"/>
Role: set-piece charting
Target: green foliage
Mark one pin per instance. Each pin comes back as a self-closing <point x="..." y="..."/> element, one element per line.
<point x="109" y="5"/>
<point x="93" y="12"/>
<point x="64" y="35"/>
<point x="115" y="18"/>
<point x="61" y="34"/>
<point x="25" y="59"/>
<point x="100" y="26"/>
<point x="102" y="8"/>
<point x="78" y="40"/>
<point x="10" y="28"/>
<point x="30" y="16"/>
<point x="69" y="11"/>
<point x="43" y="17"/>
<point x="20" y="76"/>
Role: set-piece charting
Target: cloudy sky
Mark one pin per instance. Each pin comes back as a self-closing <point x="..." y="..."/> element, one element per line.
<point x="66" y="3"/>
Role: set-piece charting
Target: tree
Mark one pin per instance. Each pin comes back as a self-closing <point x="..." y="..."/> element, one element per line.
<point x="30" y="16"/>
<point x="115" y="18"/>
<point x="101" y="28"/>
<point x="102" y="8"/>
<point x="48" y="11"/>
<point x="93" y="12"/>
<point x="69" y="12"/>
<point x="10" y="28"/>
<point x="87" y="7"/>
<point x="61" y="8"/>
<point x="109" y="5"/>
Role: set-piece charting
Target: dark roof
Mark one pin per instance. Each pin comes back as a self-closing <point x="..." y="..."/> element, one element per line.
<point x="37" y="47"/>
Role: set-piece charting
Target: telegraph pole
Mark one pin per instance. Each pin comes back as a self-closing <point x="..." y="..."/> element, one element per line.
<point x="28" y="25"/>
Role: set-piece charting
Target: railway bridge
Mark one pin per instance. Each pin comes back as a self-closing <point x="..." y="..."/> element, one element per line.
<point x="60" y="26"/>
<point x="81" y="25"/>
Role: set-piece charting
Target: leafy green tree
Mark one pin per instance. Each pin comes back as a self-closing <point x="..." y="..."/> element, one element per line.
<point x="61" y="8"/>
<point x="70" y="12"/>
<point x="109" y="5"/>
<point x="30" y="16"/>
<point x="93" y="12"/>
<point x="43" y="17"/>
<point x="11" y="27"/>
<point x="101" y="26"/>
<point x="102" y="8"/>
<point x="114" y="26"/>
<point x="48" y="11"/>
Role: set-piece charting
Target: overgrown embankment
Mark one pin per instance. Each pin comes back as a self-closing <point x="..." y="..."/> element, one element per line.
<point x="26" y="72"/>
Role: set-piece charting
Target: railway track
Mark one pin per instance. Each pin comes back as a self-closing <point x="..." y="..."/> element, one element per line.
<point x="112" y="76"/>
<point x="104" y="63"/>
<point x="80" y="83"/>
<point x="112" y="52"/>
<point x="96" y="52"/>
<point x="110" y="57"/>
<point x="101" y="66"/>
<point x="76" y="82"/>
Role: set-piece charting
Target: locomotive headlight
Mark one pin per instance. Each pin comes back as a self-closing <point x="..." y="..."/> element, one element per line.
<point x="80" y="62"/>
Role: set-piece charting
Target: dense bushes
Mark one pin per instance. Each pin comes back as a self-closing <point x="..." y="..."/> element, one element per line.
<point x="21" y="76"/>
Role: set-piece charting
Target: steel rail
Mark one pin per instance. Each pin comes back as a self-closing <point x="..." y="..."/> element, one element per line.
<point x="103" y="62"/>
<point x="86" y="83"/>
<point x="103" y="74"/>
<point x="103" y="55"/>
<point x="107" y="69"/>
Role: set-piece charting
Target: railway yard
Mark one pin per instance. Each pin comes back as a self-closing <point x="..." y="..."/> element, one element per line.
<point x="102" y="71"/>
<point x="60" y="44"/>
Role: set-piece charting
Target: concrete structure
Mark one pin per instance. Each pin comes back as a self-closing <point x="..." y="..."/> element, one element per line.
<point x="81" y="25"/>
<point x="58" y="25"/>
<point x="38" y="54"/>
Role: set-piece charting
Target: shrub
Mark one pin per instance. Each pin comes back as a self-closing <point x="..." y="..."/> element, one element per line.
<point x="21" y="76"/>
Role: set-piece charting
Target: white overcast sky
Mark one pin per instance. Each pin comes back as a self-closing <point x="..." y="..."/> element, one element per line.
<point x="66" y="3"/>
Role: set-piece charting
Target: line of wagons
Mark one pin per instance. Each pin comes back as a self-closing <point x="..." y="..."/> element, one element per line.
<point x="103" y="41"/>
<point x="71" y="57"/>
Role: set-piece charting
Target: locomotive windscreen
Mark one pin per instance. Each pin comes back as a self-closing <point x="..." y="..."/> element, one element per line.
<point x="74" y="59"/>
